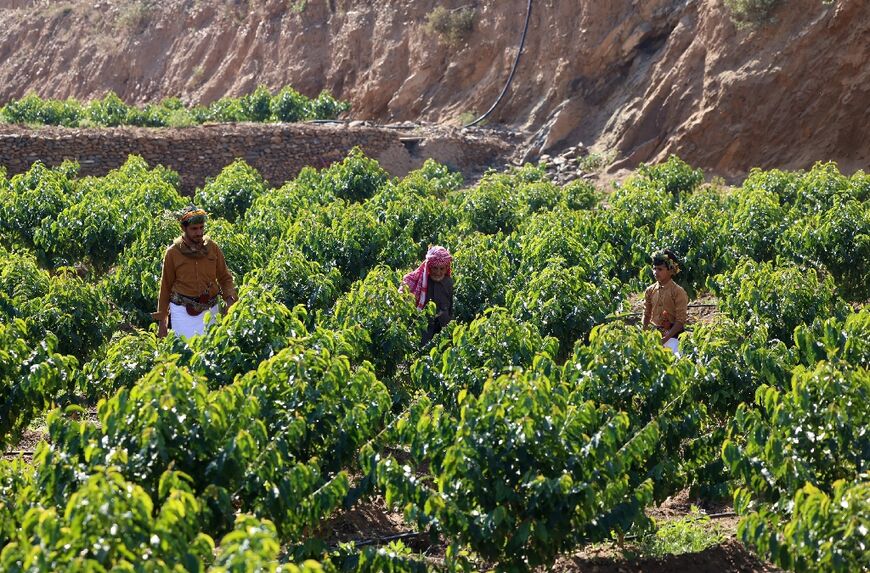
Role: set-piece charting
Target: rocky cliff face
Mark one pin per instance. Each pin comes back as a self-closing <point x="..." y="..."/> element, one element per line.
<point x="639" y="79"/>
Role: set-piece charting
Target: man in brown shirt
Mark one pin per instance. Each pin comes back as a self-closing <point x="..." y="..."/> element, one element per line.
<point x="665" y="302"/>
<point x="194" y="274"/>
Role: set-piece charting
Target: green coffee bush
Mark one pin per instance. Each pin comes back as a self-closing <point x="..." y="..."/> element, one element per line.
<point x="483" y="272"/>
<point x="580" y="195"/>
<point x="110" y="111"/>
<point x="255" y="328"/>
<point x="325" y="106"/>
<point x="231" y="193"/>
<point x="256" y="106"/>
<point x="93" y="229"/>
<point x="836" y="240"/>
<point x="490" y="207"/>
<point x="674" y="176"/>
<point x="777" y="298"/>
<point x="693" y="231"/>
<point x="296" y="279"/>
<point x="32" y="375"/>
<point x="240" y="250"/>
<point x="355" y="178"/>
<point x="31" y="197"/>
<point x="133" y="284"/>
<point x="494" y="343"/>
<point x="394" y="325"/>
<point x="529" y="470"/>
<point x="801" y="461"/>
<point x="347" y="237"/>
<point x="76" y="312"/>
<point x="562" y="303"/>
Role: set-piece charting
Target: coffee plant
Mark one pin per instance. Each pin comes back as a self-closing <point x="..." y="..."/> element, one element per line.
<point x="389" y="316"/>
<point x="253" y="329"/>
<point x="31" y="377"/>
<point x="580" y="195"/>
<point x="265" y="221"/>
<point x="629" y="370"/>
<point x="540" y="419"/>
<point x="29" y="198"/>
<point x="231" y="193"/>
<point x="75" y="311"/>
<point x="674" y="176"/>
<point x="346" y="237"/>
<point x="528" y="469"/>
<point x="484" y="269"/>
<point x="778" y="298"/>
<point x="562" y="304"/>
<point x="802" y="451"/>
<point x="838" y="241"/>
<point x="355" y="178"/>
<point x="493" y="344"/>
<point x="754" y="222"/>
<point x="134" y="281"/>
<point x="295" y="279"/>
<point x="490" y="207"/>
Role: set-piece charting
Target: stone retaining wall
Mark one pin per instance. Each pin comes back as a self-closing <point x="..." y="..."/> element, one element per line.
<point x="278" y="151"/>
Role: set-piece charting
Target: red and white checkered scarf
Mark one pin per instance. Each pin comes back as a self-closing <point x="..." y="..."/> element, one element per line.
<point x="417" y="280"/>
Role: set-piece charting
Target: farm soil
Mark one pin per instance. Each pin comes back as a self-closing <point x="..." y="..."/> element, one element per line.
<point x="371" y="520"/>
<point x="728" y="557"/>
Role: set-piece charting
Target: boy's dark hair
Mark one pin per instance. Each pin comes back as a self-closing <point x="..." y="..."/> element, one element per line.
<point x="667" y="258"/>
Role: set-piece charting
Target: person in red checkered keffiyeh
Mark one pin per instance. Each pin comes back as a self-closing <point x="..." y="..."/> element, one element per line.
<point x="432" y="281"/>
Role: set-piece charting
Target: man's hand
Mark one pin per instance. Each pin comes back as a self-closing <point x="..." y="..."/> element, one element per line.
<point x="672" y="332"/>
<point x="162" y="328"/>
<point x="229" y="301"/>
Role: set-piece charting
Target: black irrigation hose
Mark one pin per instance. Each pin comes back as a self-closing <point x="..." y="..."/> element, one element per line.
<point x="513" y="70"/>
<point x="382" y="540"/>
<point x="721" y="515"/>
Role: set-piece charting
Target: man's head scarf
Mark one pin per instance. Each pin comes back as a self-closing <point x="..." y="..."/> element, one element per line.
<point x="417" y="280"/>
<point x="192" y="215"/>
<point x="668" y="259"/>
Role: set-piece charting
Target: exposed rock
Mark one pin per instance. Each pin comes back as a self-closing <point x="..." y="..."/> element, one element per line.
<point x="643" y="79"/>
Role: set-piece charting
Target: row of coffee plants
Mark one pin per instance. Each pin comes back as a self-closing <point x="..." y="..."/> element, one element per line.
<point x="801" y="454"/>
<point x="261" y="105"/>
<point x="534" y="423"/>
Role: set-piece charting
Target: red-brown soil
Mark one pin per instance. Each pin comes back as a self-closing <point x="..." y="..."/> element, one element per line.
<point x="639" y="79"/>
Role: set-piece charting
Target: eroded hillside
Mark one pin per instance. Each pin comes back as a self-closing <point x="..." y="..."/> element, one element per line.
<point x="635" y="79"/>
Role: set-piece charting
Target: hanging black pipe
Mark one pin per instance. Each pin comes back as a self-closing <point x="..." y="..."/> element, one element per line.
<point x="513" y="70"/>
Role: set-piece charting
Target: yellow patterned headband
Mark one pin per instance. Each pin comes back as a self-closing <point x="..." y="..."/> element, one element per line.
<point x="191" y="215"/>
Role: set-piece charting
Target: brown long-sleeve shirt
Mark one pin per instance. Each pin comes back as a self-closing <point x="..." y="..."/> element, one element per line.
<point x="192" y="276"/>
<point x="670" y="298"/>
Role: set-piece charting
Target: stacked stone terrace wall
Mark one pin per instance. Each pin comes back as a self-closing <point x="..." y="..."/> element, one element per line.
<point x="278" y="151"/>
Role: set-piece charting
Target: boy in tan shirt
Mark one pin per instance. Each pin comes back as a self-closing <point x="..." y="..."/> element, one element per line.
<point x="665" y="302"/>
<point x="194" y="274"/>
